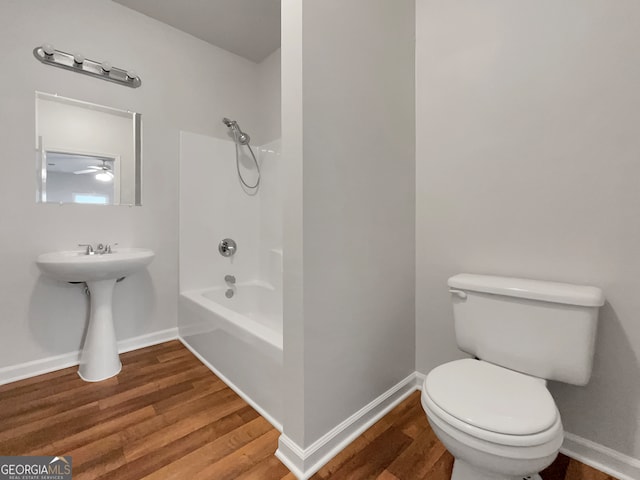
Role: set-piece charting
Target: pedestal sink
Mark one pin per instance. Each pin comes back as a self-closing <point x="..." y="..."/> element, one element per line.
<point x="99" y="359"/>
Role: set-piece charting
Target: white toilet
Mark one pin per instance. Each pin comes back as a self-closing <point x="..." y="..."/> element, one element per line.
<point x="495" y="414"/>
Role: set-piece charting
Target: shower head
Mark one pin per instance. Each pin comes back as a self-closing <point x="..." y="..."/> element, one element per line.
<point x="239" y="135"/>
<point x="241" y="138"/>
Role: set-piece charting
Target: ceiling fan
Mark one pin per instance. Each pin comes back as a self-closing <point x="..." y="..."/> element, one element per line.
<point x="103" y="172"/>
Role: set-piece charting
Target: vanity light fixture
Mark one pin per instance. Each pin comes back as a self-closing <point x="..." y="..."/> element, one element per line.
<point x="78" y="63"/>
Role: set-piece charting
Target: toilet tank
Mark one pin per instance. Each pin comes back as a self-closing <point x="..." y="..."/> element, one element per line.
<point x="544" y="329"/>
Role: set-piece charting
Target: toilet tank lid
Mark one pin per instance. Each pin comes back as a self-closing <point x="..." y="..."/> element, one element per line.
<point x="555" y="292"/>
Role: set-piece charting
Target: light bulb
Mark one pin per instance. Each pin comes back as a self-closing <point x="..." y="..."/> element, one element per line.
<point x="48" y="49"/>
<point x="106" y="67"/>
<point x="104" y="177"/>
<point x="78" y="58"/>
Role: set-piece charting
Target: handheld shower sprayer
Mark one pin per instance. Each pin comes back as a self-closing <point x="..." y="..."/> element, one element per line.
<point x="242" y="138"/>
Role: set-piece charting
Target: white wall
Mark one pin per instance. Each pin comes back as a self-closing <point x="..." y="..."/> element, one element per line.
<point x="269" y="98"/>
<point x="349" y="207"/>
<point x="292" y="238"/>
<point x="186" y="85"/>
<point x="528" y="165"/>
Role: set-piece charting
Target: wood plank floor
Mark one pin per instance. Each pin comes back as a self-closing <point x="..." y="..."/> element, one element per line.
<point x="166" y="416"/>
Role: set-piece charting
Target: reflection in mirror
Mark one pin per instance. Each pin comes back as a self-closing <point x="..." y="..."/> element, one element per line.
<point x="74" y="178"/>
<point x="87" y="153"/>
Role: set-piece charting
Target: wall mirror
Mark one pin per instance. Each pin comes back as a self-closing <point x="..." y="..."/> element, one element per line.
<point x="86" y="153"/>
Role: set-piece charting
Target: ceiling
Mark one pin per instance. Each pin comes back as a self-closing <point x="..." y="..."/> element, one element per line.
<point x="69" y="162"/>
<point x="249" y="28"/>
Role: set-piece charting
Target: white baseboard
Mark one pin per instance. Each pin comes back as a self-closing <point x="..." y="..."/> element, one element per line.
<point x="277" y="425"/>
<point x="147" y="340"/>
<point x="303" y="463"/>
<point x="13" y="373"/>
<point x="603" y="458"/>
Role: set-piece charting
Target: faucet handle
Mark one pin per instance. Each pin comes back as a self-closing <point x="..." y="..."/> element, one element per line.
<point x="89" y="250"/>
<point x="108" y="248"/>
<point x="227" y="247"/>
<point x="230" y="279"/>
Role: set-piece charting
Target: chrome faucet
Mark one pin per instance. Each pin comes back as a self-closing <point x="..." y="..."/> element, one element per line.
<point x="227" y="247"/>
<point x="100" y="249"/>
<point x="89" y="250"/>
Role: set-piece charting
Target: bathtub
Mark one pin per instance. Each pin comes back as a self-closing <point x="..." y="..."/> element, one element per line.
<point x="240" y="339"/>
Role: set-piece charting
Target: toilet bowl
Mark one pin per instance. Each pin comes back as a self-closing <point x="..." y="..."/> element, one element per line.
<point x="518" y="438"/>
<point x="494" y="413"/>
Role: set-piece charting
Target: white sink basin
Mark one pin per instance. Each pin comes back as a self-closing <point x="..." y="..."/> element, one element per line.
<point x="74" y="266"/>
<point x="99" y="359"/>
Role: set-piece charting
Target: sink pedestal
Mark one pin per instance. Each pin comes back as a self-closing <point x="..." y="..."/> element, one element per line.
<point x="99" y="359"/>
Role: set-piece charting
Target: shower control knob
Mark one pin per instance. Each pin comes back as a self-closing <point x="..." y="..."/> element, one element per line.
<point x="227" y="247"/>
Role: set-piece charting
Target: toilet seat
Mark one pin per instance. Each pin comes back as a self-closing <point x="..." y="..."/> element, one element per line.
<point x="487" y="437"/>
<point x="492" y="403"/>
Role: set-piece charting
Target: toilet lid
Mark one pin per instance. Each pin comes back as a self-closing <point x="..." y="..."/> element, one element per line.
<point x="491" y="397"/>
